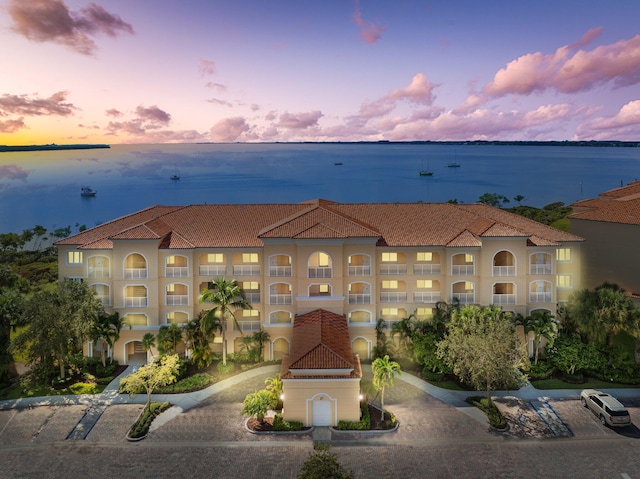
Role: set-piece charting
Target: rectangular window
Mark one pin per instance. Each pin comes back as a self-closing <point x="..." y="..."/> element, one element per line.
<point x="564" y="281"/>
<point x="171" y="260"/>
<point x="468" y="286"/>
<point x="171" y="288"/>
<point x="424" y="312"/>
<point x="249" y="257"/>
<point x="323" y="260"/>
<point x="468" y="259"/>
<point x="390" y="284"/>
<point x="74" y="257"/>
<point x="250" y="285"/>
<point x="389" y="257"/>
<point x="215" y="258"/>
<point x="390" y="311"/>
<point x="425" y="256"/>
<point x="250" y="313"/>
<point x="324" y="288"/>
<point x="563" y="255"/>
<point x="424" y="284"/>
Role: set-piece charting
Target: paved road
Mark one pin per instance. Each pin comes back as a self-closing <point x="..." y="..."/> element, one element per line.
<point x="435" y="439"/>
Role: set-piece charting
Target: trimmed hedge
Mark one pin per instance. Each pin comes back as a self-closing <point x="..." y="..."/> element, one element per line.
<point x="496" y="419"/>
<point x="280" y="424"/>
<point x="363" y="424"/>
<point x="150" y="412"/>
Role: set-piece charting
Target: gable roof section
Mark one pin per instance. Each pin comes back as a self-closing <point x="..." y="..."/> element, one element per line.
<point x="620" y="205"/>
<point x="320" y="340"/>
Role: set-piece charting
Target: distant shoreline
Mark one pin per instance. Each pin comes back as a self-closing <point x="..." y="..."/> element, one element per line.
<point x="52" y="146"/>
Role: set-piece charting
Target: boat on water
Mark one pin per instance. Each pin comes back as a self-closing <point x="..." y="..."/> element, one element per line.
<point x="87" y="191"/>
<point x="454" y="164"/>
<point x="175" y="177"/>
<point x="426" y="173"/>
<point x="338" y="163"/>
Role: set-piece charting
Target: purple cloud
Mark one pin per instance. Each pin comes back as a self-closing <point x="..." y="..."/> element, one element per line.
<point x="369" y="32"/>
<point x="299" y="121"/>
<point x="52" y="21"/>
<point x="23" y="105"/>
<point x="229" y="129"/>
<point x="153" y="114"/>
<point x="11" y="126"/>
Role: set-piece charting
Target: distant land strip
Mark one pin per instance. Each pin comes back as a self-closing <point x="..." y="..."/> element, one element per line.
<point x="52" y="146"/>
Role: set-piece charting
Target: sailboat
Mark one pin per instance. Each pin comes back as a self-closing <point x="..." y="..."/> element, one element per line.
<point x="175" y="176"/>
<point x="426" y="172"/>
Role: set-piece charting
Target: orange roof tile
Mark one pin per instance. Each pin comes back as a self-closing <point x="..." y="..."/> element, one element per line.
<point x="620" y="205"/>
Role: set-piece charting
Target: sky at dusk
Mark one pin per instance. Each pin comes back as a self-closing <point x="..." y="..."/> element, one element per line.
<point x="159" y="71"/>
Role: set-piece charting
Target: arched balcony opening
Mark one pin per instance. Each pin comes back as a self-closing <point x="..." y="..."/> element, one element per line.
<point x="280" y="293"/>
<point x="176" y="266"/>
<point x="176" y="294"/>
<point x="135" y="267"/>
<point x="135" y="296"/>
<point x="463" y="264"/>
<point x="320" y="265"/>
<point x="361" y="347"/>
<point x="98" y="267"/>
<point x="322" y="289"/>
<point x="280" y="265"/>
<point x="279" y="348"/>
<point x="540" y="292"/>
<point x="359" y="265"/>
<point x="359" y="293"/>
<point x="464" y="292"/>
<point x="177" y="317"/>
<point x="280" y="317"/>
<point x="360" y="317"/>
<point x="103" y="293"/>
<point x="504" y="264"/>
<point x="540" y="263"/>
<point x="504" y="294"/>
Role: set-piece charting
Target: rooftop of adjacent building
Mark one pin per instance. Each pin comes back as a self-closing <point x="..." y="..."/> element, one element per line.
<point x="619" y="205"/>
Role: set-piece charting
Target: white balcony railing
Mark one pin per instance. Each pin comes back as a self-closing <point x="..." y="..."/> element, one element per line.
<point x="540" y="268"/>
<point x="393" y="297"/>
<point x="387" y="324"/>
<point x="105" y="299"/>
<point x="280" y="271"/>
<point x="426" y="269"/>
<point x="98" y="272"/>
<point x="135" y="302"/>
<point x="135" y="273"/>
<point x="462" y="270"/>
<point x="393" y="268"/>
<point x="501" y="299"/>
<point x="247" y="326"/>
<point x="246" y="269"/>
<point x="465" y="298"/>
<point x="504" y="270"/>
<point x="281" y="298"/>
<point x="176" y="271"/>
<point x="361" y="298"/>
<point x="212" y="270"/>
<point x="359" y="270"/>
<point x="540" y="297"/>
<point x="321" y="272"/>
<point x="177" y="299"/>
<point x="426" y="297"/>
<point x="253" y="298"/>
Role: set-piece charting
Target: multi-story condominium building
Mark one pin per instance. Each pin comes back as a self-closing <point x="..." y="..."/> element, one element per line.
<point x="364" y="261"/>
<point x="610" y="225"/>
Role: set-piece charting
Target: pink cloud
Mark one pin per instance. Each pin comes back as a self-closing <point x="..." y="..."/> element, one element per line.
<point x="568" y="72"/>
<point x="23" y="105"/>
<point x="299" y="121"/>
<point x="369" y="32"/>
<point x="420" y="90"/>
<point x="153" y="114"/>
<point x="217" y="86"/>
<point x="229" y="129"/>
<point x="207" y="67"/>
<point x="114" y="113"/>
<point x="626" y="123"/>
<point x="14" y="172"/>
<point x="216" y="101"/>
<point x="11" y="126"/>
<point x="51" y="20"/>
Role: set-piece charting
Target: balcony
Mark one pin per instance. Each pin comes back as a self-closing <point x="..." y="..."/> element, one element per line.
<point x="247" y="326"/>
<point x="395" y="268"/>
<point x="504" y="270"/>
<point x="176" y="271"/>
<point x="540" y="297"/>
<point x="464" y="298"/>
<point x="426" y="297"/>
<point x="177" y="300"/>
<point x="252" y="298"/>
<point x="540" y="268"/>
<point x="246" y="270"/>
<point x="105" y="299"/>
<point x="393" y="297"/>
<point x="321" y="272"/>
<point x="135" y="273"/>
<point x="98" y="272"/>
<point x="361" y="298"/>
<point x="212" y="270"/>
<point x="462" y="270"/>
<point x="281" y="298"/>
<point x="503" y="299"/>
<point x="364" y="270"/>
<point x="135" y="302"/>
<point x="426" y="269"/>
<point x="280" y="271"/>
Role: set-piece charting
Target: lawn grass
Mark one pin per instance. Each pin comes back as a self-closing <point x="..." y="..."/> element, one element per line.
<point x="18" y="390"/>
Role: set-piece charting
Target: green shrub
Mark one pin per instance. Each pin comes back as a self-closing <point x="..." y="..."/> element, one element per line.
<point x="83" y="388"/>
<point x="280" y="424"/>
<point x="429" y="375"/>
<point x="496" y="419"/>
<point x="192" y="383"/>
<point x="363" y="424"/>
<point x="108" y="370"/>
<point x="541" y="370"/>
<point x="323" y="464"/>
<point x="150" y="412"/>
<point x="228" y="368"/>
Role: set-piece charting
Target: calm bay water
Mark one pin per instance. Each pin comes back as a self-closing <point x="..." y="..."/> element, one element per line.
<point x="44" y="187"/>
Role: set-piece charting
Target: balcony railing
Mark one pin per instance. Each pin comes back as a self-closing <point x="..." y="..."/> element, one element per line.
<point x="536" y="297"/>
<point x="393" y="297"/>
<point x="462" y="269"/>
<point x="280" y="271"/>
<point x="105" y="299"/>
<point x="426" y="297"/>
<point x="464" y="298"/>
<point x="248" y="326"/>
<point x="281" y="298"/>
<point x="212" y="270"/>
<point x="135" y="302"/>
<point x="540" y="268"/>
<point x="500" y="299"/>
<point x="176" y="271"/>
<point x="321" y="272"/>
<point x="393" y="268"/>
<point x="426" y="269"/>
<point x="135" y="273"/>
<point x="504" y="270"/>
<point x="98" y="272"/>
<point x="359" y="270"/>
<point x="387" y="324"/>
<point x="253" y="298"/>
<point x="246" y="270"/>
<point x="177" y="299"/>
<point x="360" y="298"/>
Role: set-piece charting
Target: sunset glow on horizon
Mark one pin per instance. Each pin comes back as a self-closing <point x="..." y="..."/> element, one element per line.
<point x="158" y="71"/>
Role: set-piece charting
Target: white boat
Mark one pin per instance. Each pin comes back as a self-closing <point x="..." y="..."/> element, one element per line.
<point x="86" y="191"/>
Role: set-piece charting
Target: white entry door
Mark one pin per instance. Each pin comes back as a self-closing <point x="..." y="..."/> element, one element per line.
<point x="321" y="413"/>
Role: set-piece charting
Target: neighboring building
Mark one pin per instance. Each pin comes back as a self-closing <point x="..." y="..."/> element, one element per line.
<point x="321" y="376"/>
<point x="611" y="226"/>
<point x="366" y="261"/>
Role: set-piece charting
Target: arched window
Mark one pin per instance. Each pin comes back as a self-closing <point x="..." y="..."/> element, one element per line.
<point x="98" y="267"/>
<point x="320" y="265"/>
<point x="504" y="264"/>
<point x="176" y="266"/>
<point x="280" y="265"/>
<point x="135" y="267"/>
<point x="359" y="265"/>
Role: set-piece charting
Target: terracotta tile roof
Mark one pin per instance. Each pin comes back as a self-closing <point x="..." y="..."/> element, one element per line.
<point x="320" y="340"/>
<point x="245" y="226"/>
<point x="620" y="205"/>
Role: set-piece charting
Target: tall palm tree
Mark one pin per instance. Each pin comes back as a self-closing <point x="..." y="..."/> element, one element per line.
<point x="543" y="325"/>
<point x="228" y="296"/>
<point x="259" y="338"/>
<point x="384" y="375"/>
<point x="148" y="342"/>
<point x="107" y="330"/>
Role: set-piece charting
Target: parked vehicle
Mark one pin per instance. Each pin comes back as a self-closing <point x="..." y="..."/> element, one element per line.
<point x="607" y="408"/>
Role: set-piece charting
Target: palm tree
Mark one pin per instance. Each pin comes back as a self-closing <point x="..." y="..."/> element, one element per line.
<point x="168" y="338"/>
<point x="148" y="342"/>
<point x="543" y="325"/>
<point x="228" y="296"/>
<point x="198" y="340"/>
<point x="259" y="338"/>
<point x="384" y="375"/>
<point x="107" y="330"/>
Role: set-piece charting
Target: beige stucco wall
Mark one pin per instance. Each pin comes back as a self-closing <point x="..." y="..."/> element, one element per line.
<point x="299" y="394"/>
